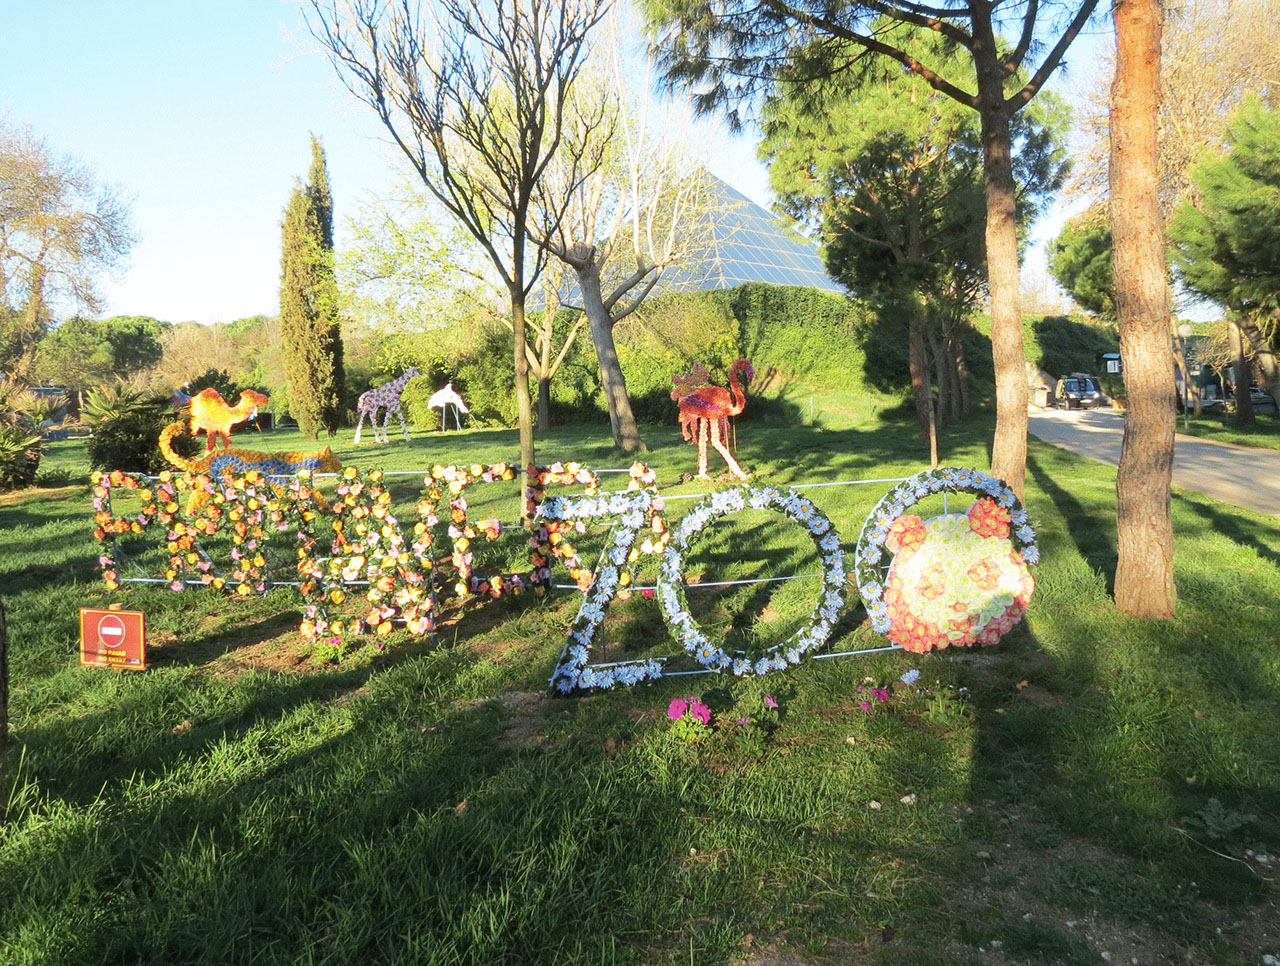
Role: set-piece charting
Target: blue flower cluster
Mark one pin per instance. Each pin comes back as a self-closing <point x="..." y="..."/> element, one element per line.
<point x="814" y="634"/>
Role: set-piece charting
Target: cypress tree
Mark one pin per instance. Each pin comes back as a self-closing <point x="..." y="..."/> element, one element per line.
<point x="309" y="304"/>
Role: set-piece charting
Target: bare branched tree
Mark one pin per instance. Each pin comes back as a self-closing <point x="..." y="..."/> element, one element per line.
<point x="1214" y="53"/>
<point x="60" y="230"/>
<point x="474" y="94"/>
<point x="633" y="200"/>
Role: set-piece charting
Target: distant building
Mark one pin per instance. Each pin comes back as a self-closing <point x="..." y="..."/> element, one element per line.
<point x="747" y="243"/>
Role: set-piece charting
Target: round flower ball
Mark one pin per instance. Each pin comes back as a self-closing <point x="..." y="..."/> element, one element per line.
<point x="956" y="580"/>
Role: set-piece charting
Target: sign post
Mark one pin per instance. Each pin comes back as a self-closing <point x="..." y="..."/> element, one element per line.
<point x="113" y="638"/>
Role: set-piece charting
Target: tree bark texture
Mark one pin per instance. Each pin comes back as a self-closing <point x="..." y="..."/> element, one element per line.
<point x="922" y="392"/>
<point x="962" y="372"/>
<point x="524" y="406"/>
<point x="545" y="354"/>
<point x="622" y="423"/>
<point x="1241" y="376"/>
<point x="1266" y="357"/>
<point x="1144" y="569"/>
<point x="1009" y="447"/>
<point x="942" y="367"/>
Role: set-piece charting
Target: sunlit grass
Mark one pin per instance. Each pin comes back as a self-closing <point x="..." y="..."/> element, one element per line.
<point x="426" y="804"/>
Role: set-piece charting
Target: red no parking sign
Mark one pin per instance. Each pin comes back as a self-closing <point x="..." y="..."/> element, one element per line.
<point x="113" y="638"/>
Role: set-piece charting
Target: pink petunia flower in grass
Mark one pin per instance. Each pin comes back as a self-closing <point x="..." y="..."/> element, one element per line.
<point x="865" y="705"/>
<point x="770" y="701"/>
<point x="699" y="711"/>
<point x="677" y="708"/>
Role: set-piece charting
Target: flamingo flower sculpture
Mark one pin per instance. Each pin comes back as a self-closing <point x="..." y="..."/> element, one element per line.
<point x="442" y="400"/>
<point x="705" y="411"/>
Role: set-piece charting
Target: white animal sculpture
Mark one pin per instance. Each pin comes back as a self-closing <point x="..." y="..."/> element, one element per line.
<point x="445" y="398"/>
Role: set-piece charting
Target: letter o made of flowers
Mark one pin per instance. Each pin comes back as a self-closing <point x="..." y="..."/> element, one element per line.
<point x="954" y="580"/>
<point x="817" y="629"/>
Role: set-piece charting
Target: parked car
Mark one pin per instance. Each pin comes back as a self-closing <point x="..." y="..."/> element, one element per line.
<point x="1079" y="392"/>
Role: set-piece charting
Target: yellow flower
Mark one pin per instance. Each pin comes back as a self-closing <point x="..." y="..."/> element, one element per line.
<point x="385" y="628"/>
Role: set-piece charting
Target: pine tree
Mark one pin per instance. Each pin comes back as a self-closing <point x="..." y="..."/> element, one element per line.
<point x="309" y="304"/>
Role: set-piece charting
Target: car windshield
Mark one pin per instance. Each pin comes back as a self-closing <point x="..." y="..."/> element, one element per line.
<point x="1070" y="385"/>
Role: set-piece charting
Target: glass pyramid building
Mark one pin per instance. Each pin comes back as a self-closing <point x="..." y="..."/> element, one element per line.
<point x="748" y="243"/>
<point x="745" y="243"/>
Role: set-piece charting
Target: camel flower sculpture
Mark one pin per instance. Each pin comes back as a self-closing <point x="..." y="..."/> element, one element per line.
<point x="386" y="397"/>
<point x="705" y="411"/>
<point x="211" y="413"/>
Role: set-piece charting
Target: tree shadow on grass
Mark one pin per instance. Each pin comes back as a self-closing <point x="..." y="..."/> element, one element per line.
<point x="1096" y="751"/>
<point x="1095" y="543"/>
<point x="1229" y="526"/>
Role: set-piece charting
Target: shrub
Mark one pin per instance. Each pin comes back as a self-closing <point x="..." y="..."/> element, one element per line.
<point x="106" y="404"/>
<point x="132" y="443"/>
<point x="20" y="451"/>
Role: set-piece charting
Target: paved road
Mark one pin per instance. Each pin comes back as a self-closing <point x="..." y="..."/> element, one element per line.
<point x="1243" y="475"/>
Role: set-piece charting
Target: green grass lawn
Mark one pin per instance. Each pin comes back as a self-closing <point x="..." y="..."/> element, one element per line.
<point x="1222" y="428"/>
<point x="1092" y="784"/>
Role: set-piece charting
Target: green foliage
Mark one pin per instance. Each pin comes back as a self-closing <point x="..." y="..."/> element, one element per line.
<point x="134" y="341"/>
<point x="83" y="352"/>
<point x="105" y="404"/>
<point x="129" y="442"/>
<point x="213" y="379"/>
<point x="1226" y="245"/>
<point x="77" y="354"/>
<point x="309" y="305"/>
<point x="1080" y="260"/>
<point x="788" y="333"/>
<point x="20" y="451"/>
<point x="126" y="429"/>
<point x="1063" y="345"/>
<point x="20" y="444"/>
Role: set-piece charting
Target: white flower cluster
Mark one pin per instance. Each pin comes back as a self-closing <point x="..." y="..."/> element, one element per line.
<point x="592" y="507"/>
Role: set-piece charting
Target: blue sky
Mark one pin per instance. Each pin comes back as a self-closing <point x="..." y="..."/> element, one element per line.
<point x="201" y="113"/>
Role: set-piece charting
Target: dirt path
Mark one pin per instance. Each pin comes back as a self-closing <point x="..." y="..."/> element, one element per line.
<point x="1243" y="475"/>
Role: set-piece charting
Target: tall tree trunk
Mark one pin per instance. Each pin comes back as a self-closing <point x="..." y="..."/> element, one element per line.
<point x="546" y="345"/>
<point x="921" y="391"/>
<point x="622" y="422"/>
<point x="1266" y="357"/>
<point x="1241" y="375"/>
<point x="1184" y="371"/>
<point x="524" y="407"/>
<point x="1144" y="570"/>
<point x="962" y="371"/>
<point x="1009" y="447"/>
<point x="942" y="367"/>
